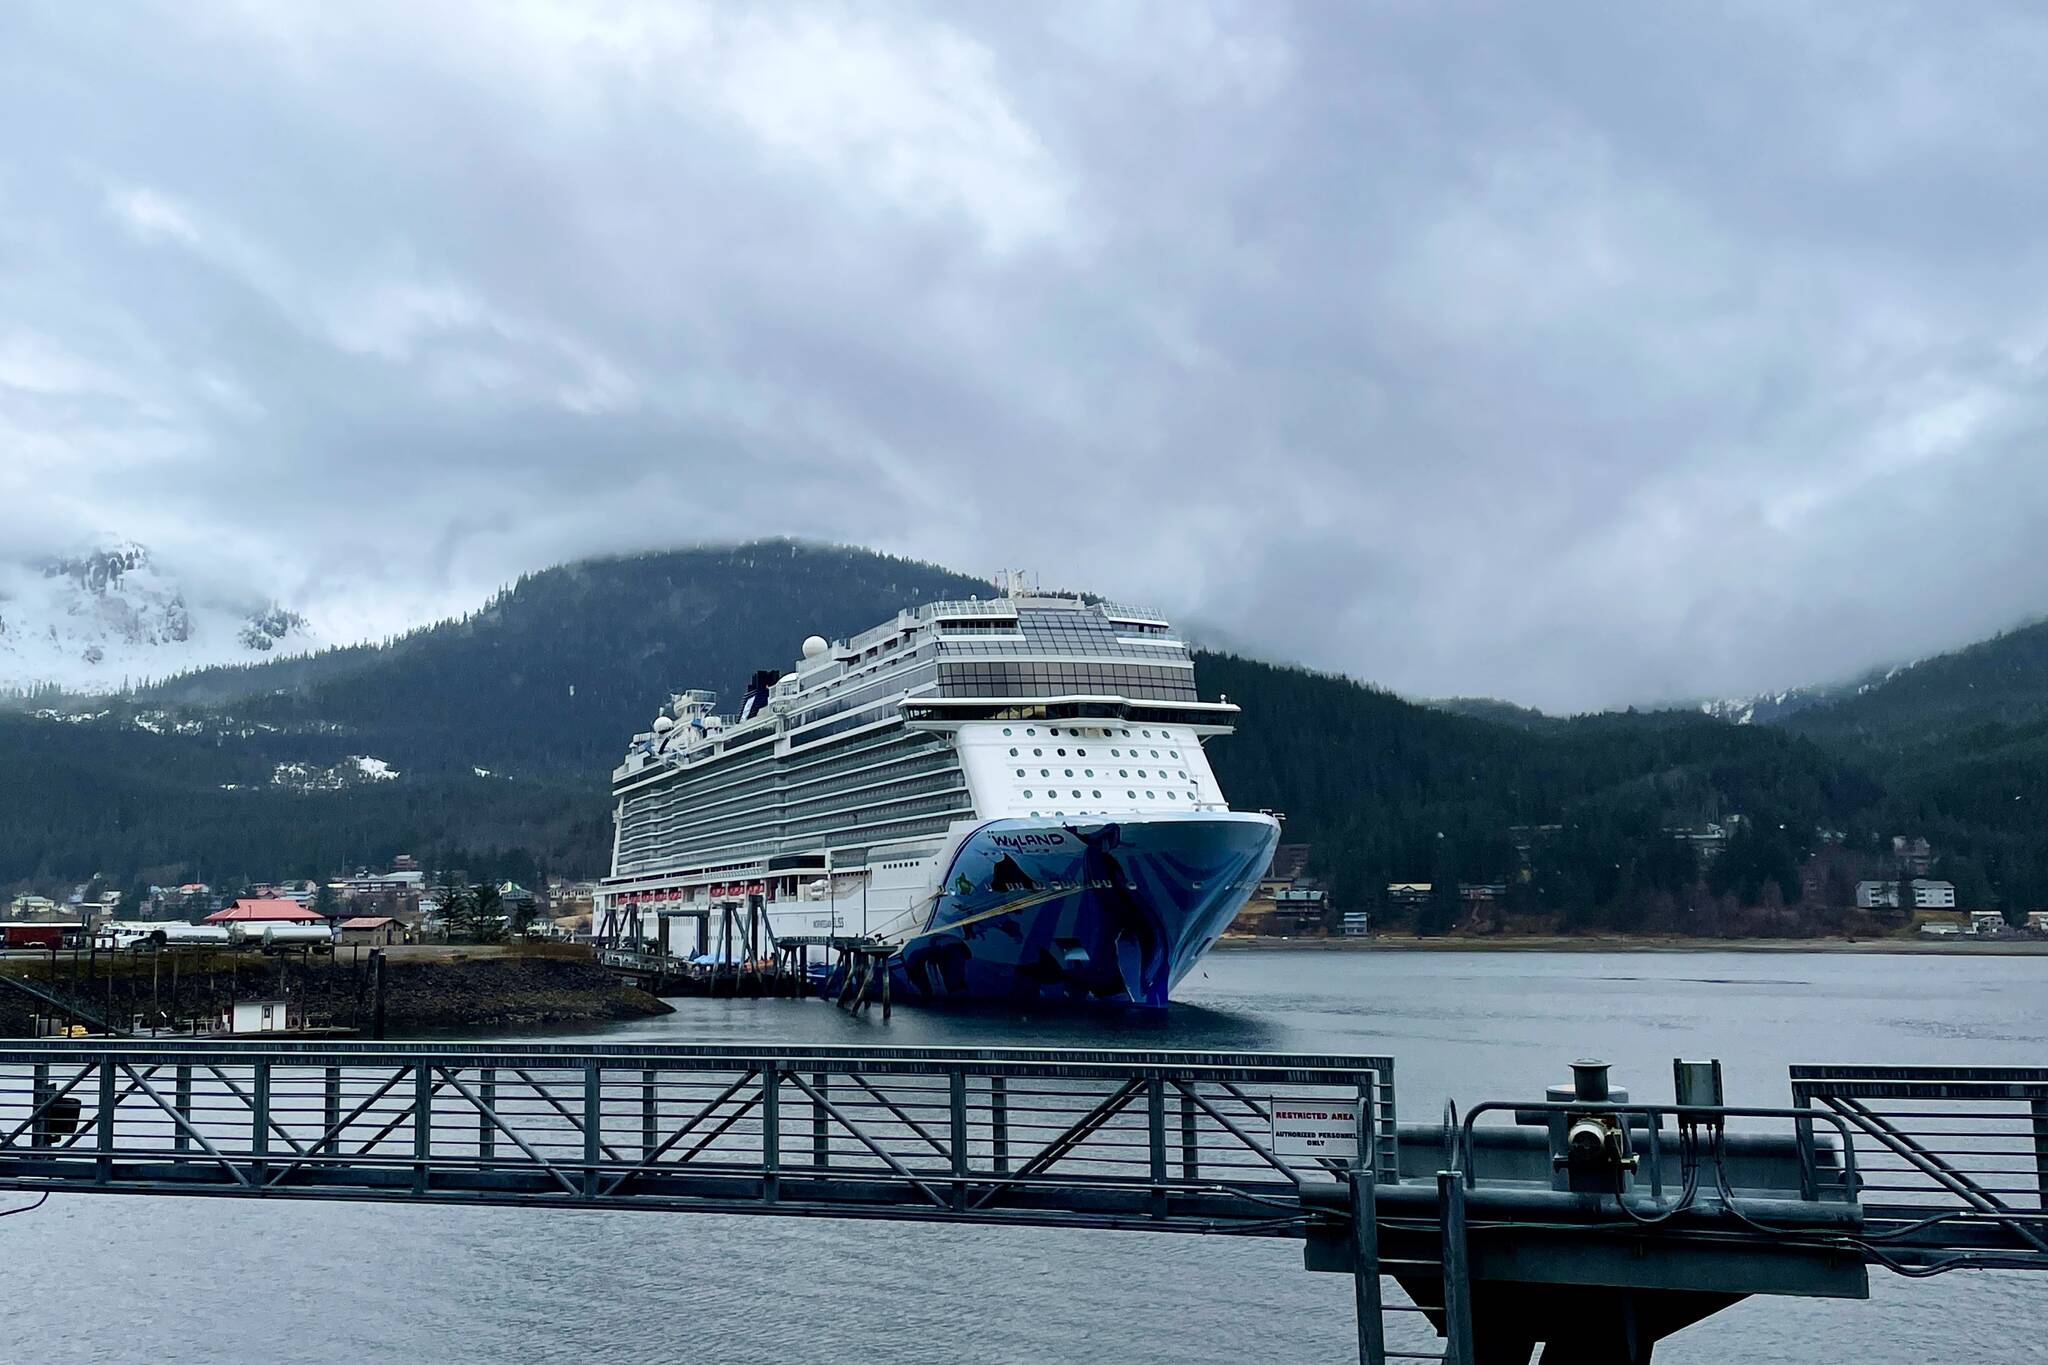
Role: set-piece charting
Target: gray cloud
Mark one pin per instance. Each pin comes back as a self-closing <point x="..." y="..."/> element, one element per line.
<point x="1573" y="355"/>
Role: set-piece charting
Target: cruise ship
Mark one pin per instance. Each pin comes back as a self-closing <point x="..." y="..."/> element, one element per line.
<point x="1011" y="792"/>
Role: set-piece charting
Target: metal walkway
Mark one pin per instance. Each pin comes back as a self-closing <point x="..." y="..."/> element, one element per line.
<point x="1585" y="1221"/>
<point x="1177" y="1142"/>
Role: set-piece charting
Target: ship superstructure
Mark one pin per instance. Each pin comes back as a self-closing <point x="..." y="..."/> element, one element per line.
<point x="1012" y="790"/>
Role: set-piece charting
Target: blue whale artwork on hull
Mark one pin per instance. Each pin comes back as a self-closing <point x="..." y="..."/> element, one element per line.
<point x="1103" y="910"/>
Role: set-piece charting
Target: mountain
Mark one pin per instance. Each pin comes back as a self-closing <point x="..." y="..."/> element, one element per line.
<point x="111" y="616"/>
<point x="498" y="728"/>
<point x="1985" y="692"/>
<point x="555" y="673"/>
<point x="1493" y="709"/>
<point x="487" y="740"/>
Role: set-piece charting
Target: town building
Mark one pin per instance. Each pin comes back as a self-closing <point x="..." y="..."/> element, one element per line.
<point x="1289" y="865"/>
<point x="1288" y="903"/>
<point x="1298" y="910"/>
<point x="377" y="929"/>
<point x="32" y="907"/>
<point x="1409" y="895"/>
<point x="397" y="881"/>
<point x="1927" y="894"/>
<point x="1933" y="895"/>
<point x="267" y="911"/>
<point x="1914" y="855"/>
<point x="1708" y="841"/>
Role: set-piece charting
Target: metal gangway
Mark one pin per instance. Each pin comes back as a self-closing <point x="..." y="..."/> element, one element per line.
<point x="1587" y="1221"/>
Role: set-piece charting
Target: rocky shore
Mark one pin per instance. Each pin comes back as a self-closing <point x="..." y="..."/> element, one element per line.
<point x="428" y="990"/>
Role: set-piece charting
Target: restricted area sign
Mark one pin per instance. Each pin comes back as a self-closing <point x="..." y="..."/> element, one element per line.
<point x="1316" y="1128"/>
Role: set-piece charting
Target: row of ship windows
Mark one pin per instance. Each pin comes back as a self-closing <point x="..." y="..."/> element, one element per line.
<point x="1130" y="795"/>
<point x="905" y="826"/>
<point x="1130" y="688"/>
<point x="1083" y="753"/>
<point x="1035" y="671"/>
<point x="1106" y="646"/>
<point x="857" y="806"/>
<point x="1090" y="772"/>
<point x="873" y="714"/>
<point x="912" y="765"/>
<point x="898" y="674"/>
<point x="1054" y="732"/>
<point x="793" y="821"/>
<point x="1061" y="625"/>
<point x="758" y="773"/>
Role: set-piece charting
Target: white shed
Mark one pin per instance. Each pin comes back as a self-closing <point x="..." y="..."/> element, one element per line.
<point x="259" y="1016"/>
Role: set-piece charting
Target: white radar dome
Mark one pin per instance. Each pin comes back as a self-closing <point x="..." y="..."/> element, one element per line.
<point x="815" y="646"/>
<point x="662" y="724"/>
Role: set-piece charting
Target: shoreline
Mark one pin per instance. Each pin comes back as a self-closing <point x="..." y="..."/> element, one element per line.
<point x="1591" y="943"/>
<point x="431" y="989"/>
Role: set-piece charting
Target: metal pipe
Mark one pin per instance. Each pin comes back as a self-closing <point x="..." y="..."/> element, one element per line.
<point x="1450" y="1193"/>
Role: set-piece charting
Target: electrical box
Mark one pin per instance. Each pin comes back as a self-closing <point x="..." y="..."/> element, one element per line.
<point x="1697" y="1085"/>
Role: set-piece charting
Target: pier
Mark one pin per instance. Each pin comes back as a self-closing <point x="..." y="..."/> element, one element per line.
<point x="1576" y="1217"/>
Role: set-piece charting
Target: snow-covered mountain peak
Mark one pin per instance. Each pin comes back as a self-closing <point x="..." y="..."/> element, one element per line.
<point x="110" y="615"/>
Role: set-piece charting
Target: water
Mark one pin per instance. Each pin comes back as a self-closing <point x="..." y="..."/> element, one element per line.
<point x="171" y="1281"/>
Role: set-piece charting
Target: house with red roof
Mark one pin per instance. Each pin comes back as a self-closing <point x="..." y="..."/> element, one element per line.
<point x="266" y="911"/>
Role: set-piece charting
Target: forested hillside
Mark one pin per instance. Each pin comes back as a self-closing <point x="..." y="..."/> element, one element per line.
<point x="1387" y="790"/>
<point x="1985" y="694"/>
<point x="553" y="675"/>
<point x="497" y="731"/>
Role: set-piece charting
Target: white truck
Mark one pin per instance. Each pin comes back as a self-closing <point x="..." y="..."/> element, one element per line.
<point x="140" y="935"/>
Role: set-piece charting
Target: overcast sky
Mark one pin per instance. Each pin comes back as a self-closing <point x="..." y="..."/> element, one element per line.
<point x="1572" y="355"/>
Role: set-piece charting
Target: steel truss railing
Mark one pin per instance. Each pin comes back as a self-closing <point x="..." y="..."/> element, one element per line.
<point x="1955" y="1159"/>
<point x="1171" y="1141"/>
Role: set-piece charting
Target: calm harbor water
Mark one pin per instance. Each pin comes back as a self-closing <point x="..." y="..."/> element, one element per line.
<point x="168" y="1281"/>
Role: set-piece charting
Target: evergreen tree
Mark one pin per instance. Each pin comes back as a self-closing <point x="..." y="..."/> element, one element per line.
<point x="486" y="913"/>
<point x="457" y="908"/>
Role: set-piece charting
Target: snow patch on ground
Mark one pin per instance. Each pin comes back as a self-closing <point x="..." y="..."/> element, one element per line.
<point x="312" y="777"/>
